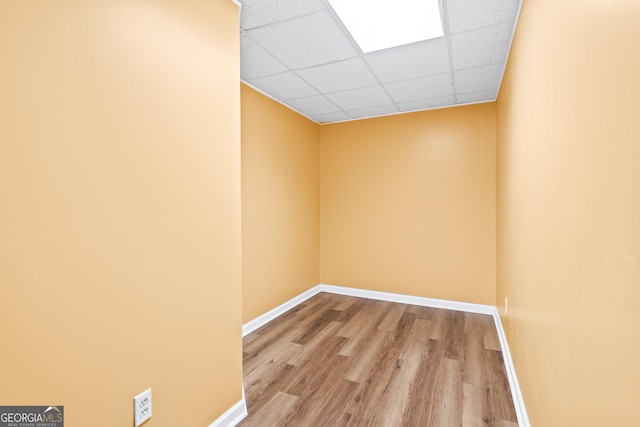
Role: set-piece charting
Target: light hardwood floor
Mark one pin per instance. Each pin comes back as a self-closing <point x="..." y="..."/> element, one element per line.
<point x="343" y="361"/>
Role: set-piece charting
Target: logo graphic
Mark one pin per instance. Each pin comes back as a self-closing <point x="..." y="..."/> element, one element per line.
<point x="31" y="416"/>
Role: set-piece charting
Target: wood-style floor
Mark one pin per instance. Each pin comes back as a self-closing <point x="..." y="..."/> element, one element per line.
<point x="343" y="361"/>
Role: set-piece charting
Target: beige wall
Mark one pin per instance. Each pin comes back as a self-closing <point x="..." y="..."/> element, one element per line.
<point x="569" y="211"/>
<point x="280" y="203"/>
<point x="120" y="247"/>
<point x="408" y="204"/>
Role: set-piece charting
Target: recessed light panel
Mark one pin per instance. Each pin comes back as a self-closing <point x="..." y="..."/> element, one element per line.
<point x="381" y="24"/>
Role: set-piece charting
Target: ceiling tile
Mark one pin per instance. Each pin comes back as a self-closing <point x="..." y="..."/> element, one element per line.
<point x="360" y="98"/>
<point x="284" y="86"/>
<point x="255" y="61"/>
<point x="331" y="117"/>
<point x="373" y="111"/>
<point x="299" y="53"/>
<point x="257" y="13"/>
<point x="480" y="47"/>
<point x="483" y="95"/>
<point x="425" y="87"/>
<point x="313" y="105"/>
<point x="464" y="15"/>
<point x="339" y="76"/>
<point x="410" y="61"/>
<point x="424" y="104"/>
<point x="479" y="79"/>
<point x="305" y="42"/>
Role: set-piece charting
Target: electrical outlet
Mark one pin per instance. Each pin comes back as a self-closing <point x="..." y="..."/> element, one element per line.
<point x="142" y="407"/>
<point x="506" y="306"/>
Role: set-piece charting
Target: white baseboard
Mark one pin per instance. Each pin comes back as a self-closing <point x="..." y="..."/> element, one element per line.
<point x="518" y="402"/>
<point x="233" y="415"/>
<point x="267" y="317"/>
<point x="407" y="299"/>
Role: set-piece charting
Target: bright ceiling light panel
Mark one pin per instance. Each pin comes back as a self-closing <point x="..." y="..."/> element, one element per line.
<point x="381" y="24"/>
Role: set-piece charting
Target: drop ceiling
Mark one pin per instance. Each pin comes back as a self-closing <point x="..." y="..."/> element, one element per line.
<point x="299" y="53"/>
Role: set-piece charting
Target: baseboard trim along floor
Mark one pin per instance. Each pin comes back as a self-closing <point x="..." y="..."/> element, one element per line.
<point x="518" y="401"/>
<point x="235" y="414"/>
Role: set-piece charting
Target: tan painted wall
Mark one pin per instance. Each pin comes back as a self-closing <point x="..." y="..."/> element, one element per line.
<point x="569" y="211"/>
<point x="408" y="204"/>
<point x="120" y="246"/>
<point x="280" y="203"/>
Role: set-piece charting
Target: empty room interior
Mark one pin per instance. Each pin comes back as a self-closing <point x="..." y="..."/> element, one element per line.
<point x="153" y="200"/>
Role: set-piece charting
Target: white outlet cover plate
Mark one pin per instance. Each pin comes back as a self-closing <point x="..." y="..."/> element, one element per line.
<point x="142" y="408"/>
